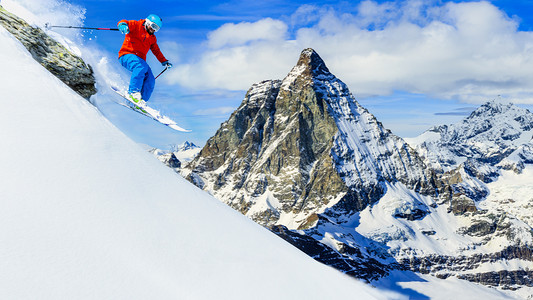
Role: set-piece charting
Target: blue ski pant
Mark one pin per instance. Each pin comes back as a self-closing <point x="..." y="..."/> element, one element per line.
<point x="142" y="80"/>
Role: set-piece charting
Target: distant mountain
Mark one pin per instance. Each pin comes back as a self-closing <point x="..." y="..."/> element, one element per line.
<point x="495" y="136"/>
<point x="178" y="155"/>
<point x="303" y="158"/>
<point x="186" y="146"/>
<point x="186" y="152"/>
<point x="489" y="154"/>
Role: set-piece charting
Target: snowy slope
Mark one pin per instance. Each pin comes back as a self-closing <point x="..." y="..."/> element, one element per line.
<point x="79" y="220"/>
<point x="513" y="193"/>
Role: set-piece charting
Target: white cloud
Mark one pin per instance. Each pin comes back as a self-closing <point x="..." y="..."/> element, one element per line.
<point x="471" y="51"/>
<point x="171" y="50"/>
<point x="237" y="68"/>
<point x="240" y="34"/>
<point x="305" y="15"/>
<point x="370" y="12"/>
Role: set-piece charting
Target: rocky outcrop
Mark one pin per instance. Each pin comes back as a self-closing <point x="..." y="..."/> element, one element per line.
<point x="349" y="260"/>
<point x="66" y="66"/>
<point x="508" y="280"/>
<point x="461" y="204"/>
<point x="462" y="266"/>
<point x="170" y="160"/>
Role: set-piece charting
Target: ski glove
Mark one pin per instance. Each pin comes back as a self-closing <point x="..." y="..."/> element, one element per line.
<point x="167" y="64"/>
<point x="123" y="28"/>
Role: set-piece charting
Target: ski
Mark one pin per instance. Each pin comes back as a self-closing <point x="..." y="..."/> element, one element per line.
<point x="148" y="112"/>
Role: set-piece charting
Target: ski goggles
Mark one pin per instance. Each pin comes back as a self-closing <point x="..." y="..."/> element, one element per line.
<point x="152" y="25"/>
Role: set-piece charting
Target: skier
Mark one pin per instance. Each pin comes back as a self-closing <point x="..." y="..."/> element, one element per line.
<point x="139" y="39"/>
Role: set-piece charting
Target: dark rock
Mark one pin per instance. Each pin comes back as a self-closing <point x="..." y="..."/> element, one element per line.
<point x="482" y="169"/>
<point x="417" y="214"/>
<point x="508" y="280"/>
<point x="347" y="259"/>
<point x="170" y="160"/>
<point x="428" y="232"/>
<point x="461" y="204"/>
<point x="66" y="66"/>
<point x="445" y="266"/>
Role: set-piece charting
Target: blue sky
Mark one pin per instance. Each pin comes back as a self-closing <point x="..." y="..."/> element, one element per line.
<point x="413" y="64"/>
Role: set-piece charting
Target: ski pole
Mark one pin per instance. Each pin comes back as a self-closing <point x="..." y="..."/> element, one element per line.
<point x="48" y="26"/>
<point x="166" y="68"/>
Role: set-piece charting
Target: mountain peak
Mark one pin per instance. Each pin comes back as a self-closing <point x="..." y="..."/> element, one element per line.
<point x="501" y="112"/>
<point x="310" y="66"/>
<point x="494" y="107"/>
<point x="312" y="62"/>
<point x="187" y="146"/>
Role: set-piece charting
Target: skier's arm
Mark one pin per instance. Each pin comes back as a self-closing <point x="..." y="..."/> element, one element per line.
<point x="157" y="52"/>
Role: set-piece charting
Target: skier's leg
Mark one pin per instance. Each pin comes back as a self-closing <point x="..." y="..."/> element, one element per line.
<point x="148" y="86"/>
<point x="138" y="68"/>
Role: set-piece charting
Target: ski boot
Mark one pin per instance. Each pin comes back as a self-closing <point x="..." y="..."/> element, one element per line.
<point x="137" y="99"/>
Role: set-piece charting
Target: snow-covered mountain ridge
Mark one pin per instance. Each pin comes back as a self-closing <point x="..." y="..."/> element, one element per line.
<point x="496" y="134"/>
<point x="303" y="158"/>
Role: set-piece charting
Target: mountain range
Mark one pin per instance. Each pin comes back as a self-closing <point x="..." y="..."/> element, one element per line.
<point x="303" y="158"/>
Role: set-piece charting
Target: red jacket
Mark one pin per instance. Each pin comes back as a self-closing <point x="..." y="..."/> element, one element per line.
<point x="138" y="41"/>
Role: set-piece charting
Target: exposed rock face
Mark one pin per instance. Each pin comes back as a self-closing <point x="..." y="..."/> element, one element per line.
<point x="509" y="280"/>
<point x="460" y="266"/>
<point x="349" y="260"/>
<point x="66" y="66"/>
<point x="462" y="204"/>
